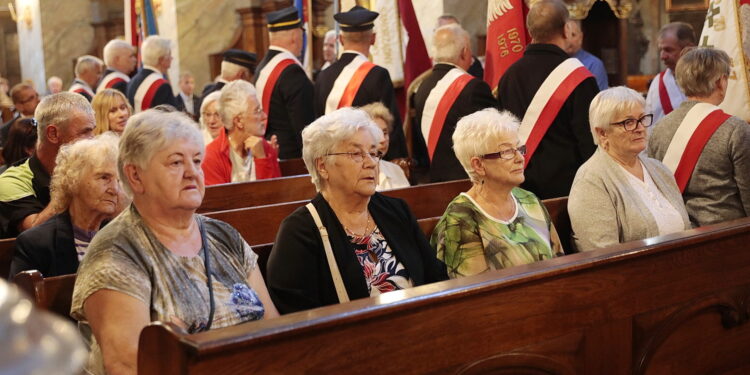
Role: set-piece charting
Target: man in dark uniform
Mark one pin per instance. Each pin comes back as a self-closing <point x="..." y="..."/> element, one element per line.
<point x="453" y="57"/>
<point x="150" y="86"/>
<point x="236" y="64"/>
<point x="120" y="58"/>
<point x="284" y="90"/>
<point x="476" y="69"/>
<point x="352" y="71"/>
<point x="568" y="142"/>
<point x="88" y="73"/>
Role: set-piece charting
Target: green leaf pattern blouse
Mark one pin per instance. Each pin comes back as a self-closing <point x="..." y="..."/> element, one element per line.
<point x="469" y="241"/>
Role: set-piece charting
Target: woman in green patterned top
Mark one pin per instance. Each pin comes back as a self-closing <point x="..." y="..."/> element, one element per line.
<point x="495" y="224"/>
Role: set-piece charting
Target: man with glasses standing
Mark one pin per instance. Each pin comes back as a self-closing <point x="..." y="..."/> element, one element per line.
<point x="707" y="149"/>
<point x="438" y="111"/>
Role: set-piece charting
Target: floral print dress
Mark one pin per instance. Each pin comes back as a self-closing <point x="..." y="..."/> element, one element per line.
<point x="470" y="241"/>
<point x="382" y="270"/>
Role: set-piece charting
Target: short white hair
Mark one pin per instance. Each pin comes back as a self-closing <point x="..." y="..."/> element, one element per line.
<point x="57" y="109"/>
<point x="230" y="69"/>
<point x="76" y="158"/>
<point x="448" y="41"/>
<point x="330" y="34"/>
<point x="327" y="132"/>
<point x="610" y="104"/>
<point x="150" y="131"/>
<point x="477" y="134"/>
<point x="210" y="98"/>
<point x="114" y="48"/>
<point x="154" y="48"/>
<point x="233" y="101"/>
<point x="54" y="79"/>
<point x="85" y="63"/>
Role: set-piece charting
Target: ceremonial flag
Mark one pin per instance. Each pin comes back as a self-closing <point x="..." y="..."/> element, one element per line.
<point x="388" y="49"/>
<point x="506" y="37"/>
<point x="727" y="27"/>
<point x="304" y="8"/>
<point x="140" y="22"/>
<point x="416" y="59"/>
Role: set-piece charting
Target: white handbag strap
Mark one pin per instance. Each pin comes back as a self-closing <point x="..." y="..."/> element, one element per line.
<point x="338" y="282"/>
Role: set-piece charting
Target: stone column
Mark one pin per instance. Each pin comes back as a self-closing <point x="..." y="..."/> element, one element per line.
<point x="31" y="49"/>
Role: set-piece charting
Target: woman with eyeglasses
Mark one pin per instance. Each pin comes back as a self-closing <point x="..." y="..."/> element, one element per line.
<point x="350" y="242"/>
<point x="495" y="224"/>
<point x="620" y="195"/>
<point x="210" y="120"/>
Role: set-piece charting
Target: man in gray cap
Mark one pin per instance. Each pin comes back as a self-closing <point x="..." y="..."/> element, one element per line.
<point x="354" y="81"/>
<point x="284" y="90"/>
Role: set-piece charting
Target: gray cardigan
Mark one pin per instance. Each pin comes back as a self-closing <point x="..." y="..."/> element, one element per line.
<point x="605" y="210"/>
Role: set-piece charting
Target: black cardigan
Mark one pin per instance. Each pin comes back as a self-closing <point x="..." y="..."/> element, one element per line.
<point x="48" y="248"/>
<point x="298" y="276"/>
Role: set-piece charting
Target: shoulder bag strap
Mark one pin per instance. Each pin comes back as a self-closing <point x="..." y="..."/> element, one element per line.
<point x="338" y="282"/>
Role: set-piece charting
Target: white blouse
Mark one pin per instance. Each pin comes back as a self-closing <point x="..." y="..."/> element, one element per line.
<point x="667" y="218"/>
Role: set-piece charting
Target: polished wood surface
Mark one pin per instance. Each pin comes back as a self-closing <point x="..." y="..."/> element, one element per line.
<point x="7" y="247"/>
<point x="292" y="167"/>
<point x="672" y="304"/>
<point x="257" y="193"/>
<point x="52" y="293"/>
<point x="258" y="225"/>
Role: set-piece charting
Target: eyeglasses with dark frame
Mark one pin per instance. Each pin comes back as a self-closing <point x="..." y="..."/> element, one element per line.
<point x="359" y="156"/>
<point x="631" y="124"/>
<point x="507" y="154"/>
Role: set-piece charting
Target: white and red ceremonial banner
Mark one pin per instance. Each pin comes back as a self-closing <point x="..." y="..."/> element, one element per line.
<point x="416" y="58"/>
<point x="506" y="37"/>
<point x="388" y="48"/>
<point x="439" y="103"/>
<point x="727" y="27"/>
<point x="547" y="101"/>
<point x="691" y="137"/>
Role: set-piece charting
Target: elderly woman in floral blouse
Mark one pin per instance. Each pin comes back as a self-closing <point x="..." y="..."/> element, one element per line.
<point x="495" y="224"/>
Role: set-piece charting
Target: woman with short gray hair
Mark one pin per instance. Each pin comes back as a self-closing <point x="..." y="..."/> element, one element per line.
<point x="619" y="195"/>
<point x="158" y="260"/>
<point x="85" y="193"/>
<point x="241" y="153"/>
<point x="210" y="120"/>
<point x="495" y="224"/>
<point x="349" y="242"/>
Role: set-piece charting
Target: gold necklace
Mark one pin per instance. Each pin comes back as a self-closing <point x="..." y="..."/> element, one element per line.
<point x="367" y="225"/>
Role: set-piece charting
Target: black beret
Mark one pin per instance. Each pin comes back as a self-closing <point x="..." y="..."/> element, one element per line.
<point x="285" y="19"/>
<point x="241" y="58"/>
<point x="356" y="19"/>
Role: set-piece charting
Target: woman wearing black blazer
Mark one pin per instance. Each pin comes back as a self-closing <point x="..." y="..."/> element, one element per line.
<point x="375" y="240"/>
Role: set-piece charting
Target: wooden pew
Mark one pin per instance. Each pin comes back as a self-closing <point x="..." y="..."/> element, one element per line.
<point x="258" y="225"/>
<point x="292" y="167"/>
<point x="51" y="293"/>
<point x="673" y="304"/>
<point x="7" y="247"/>
<point x="257" y="193"/>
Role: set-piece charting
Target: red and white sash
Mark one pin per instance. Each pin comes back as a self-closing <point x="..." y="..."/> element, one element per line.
<point x="269" y="75"/>
<point x="666" y="103"/>
<point x="347" y="84"/>
<point x="547" y="102"/>
<point x="79" y="86"/>
<point x="439" y="102"/>
<point x="145" y="93"/>
<point x="112" y="79"/>
<point x="691" y="137"/>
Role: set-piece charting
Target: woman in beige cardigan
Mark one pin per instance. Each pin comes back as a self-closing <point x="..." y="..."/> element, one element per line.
<point x="619" y="195"/>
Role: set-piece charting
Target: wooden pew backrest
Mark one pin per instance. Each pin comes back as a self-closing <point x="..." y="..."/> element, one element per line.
<point x="258" y="225"/>
<point x="7" y="247"/>
<point x="257" y="193"/>
<point x="672" y="304"/>
<point x="292" y="167"/>
<point x="51" y="293"/>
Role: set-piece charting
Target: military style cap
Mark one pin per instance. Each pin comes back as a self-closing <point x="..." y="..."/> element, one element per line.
<point x="356" y="19"/>
<point x="284" y="19"/>
<point x="241" y="58"/>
